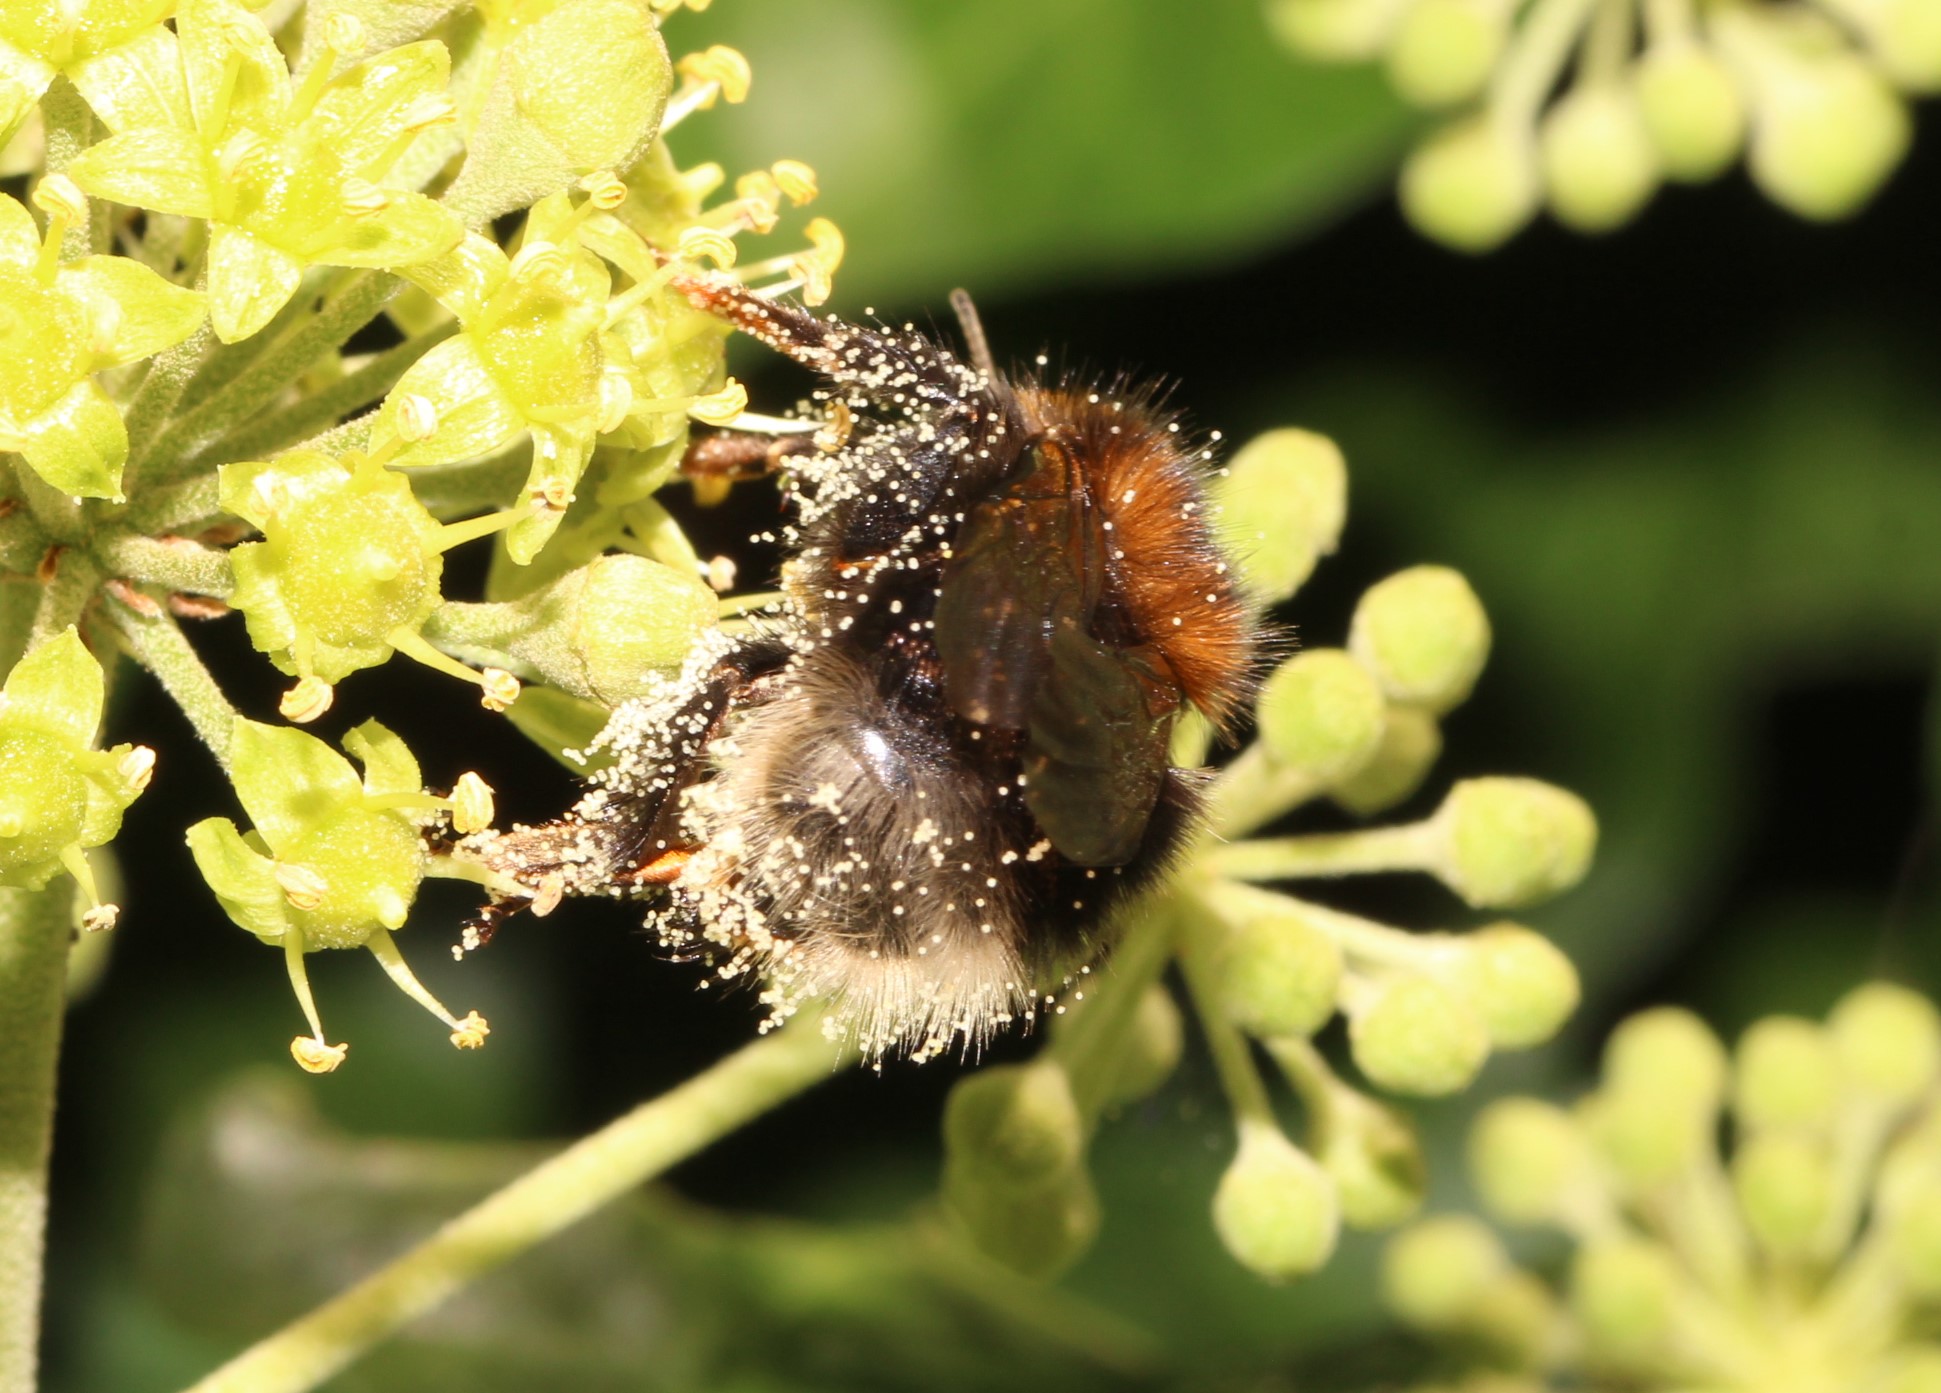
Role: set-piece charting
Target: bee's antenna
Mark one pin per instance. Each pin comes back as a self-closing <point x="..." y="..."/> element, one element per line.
<point x="973" y="327"/>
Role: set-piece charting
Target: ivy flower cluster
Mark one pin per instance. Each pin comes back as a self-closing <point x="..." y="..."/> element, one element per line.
<point x="1806" y="1258"/>
<point x="1585" y="107"/>
<point x="1264" y="969"/>
<point x="222" y="197"/>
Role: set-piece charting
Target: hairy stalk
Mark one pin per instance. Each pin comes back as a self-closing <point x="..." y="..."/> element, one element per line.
<point x="34" y="927"/>
<point x="350" y="309"/>
<point x="552" y="1196"/>
<point x="175" y="507"/>
<point x="263" y="436"/>
<point x="158" y="644"/>
<point x="173" y="563"/>
<point x="169" y="374"/>
<point x="64" y="598"/>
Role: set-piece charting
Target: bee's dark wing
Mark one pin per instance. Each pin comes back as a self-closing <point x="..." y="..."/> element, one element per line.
<point x="1017" y="652"/>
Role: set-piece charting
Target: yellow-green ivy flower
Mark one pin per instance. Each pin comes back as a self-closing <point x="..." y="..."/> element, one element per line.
<point x="62" y="322"/>
<point x="288" y="174"/>
<point x="59" y="795"/>
<point x="93" y="42"/>
<point x="331" y="862"/>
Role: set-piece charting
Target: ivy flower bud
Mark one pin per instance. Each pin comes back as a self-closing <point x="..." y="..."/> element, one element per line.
<point x="1014" y="1176"/>
<point x="1526" y="1157"/>
<point x="1424" y="635"/>
<point x="1624" y="1291"/>
<point x="1410" y="744"/>
<point x="1784" y="1182"/>
<point x="1664" y="1076"/>
<point x="58" y="795"/>
<point x="1343" y="30"/>
<point x="1888" y="1040"/>
<point x="1151" y="1050"/>
<point x="1510" y="842"/>
<point x="1473" y="184"/>
<point x="1281" y="506"/>
<point x="1599" y="166"/>
<point x="1444" y="50"/>
<point x="1275" y="1210"/>
<point x="1320" y="716"/>
<point x="1278" y="974"/>
<point x="1523" y="985"/>
<point x="1691" y="108"/>
<point x="1419" y="1036"/>
<point x="1786" y="1075"/>
<point x="1906" y="34"/>
<point x="1916" y="1369"/>
<point x="1825" y="134"/>
<point x="1434" y="1271"/>
<point x="1668" y="1052"/>
<point x="1375" y="1160"/>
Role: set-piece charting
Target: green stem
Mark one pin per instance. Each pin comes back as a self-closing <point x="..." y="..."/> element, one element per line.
<point x="552" y="1196"/>
<point x="1090" y="1045"/>
<point x="1233" y="1058"/>
<point x="1529" y="71"/>
<point x="22" y="543"/>
<point x="1363" y="941"/>
<point x="169" y="374"/>
<point x="175" y="507"/>
<point x="263" y="436"/>
<point x="158" y="644"/>
<point x="1409" y="848"/>
<point x="350" y="309"/>
<point x="58" y="515"/>
<point x="1254" y="790"/>
<point x="66" y="596"/>
<point x="174" y="563"/>
<point x="34" y="929"/>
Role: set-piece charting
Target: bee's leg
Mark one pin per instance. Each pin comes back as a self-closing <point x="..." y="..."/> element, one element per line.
<point x="714" y="462"/>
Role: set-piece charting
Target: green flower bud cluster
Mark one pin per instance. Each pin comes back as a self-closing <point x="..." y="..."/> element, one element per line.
<point x="1807" y="1256"/>
<point x="222" y="198"/>
<point x="1585" y="107"/>
<point x="1358" y="727"/>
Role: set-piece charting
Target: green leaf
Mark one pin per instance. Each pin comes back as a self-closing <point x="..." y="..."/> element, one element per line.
<point x="389" y="767"/>
<point x="1039" y="140"/>
<point x="244" y="880"/>
<point x="150" y="167"/>
<point x="138" y="84"/>
<point x="288" y="781"/>
<point x="80" y="444"/>
<point x="249" y="281"/>
<point x="148" y="312"/>
<point x="57" y="688"/>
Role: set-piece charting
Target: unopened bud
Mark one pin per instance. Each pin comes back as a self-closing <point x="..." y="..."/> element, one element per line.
<point x="1373" y="1156"/>
<point x="1668" y="1052"/>
<point x="1434" y="1271"/>
<point x="1526" y="1156"/>
<point x="1410" y="745"/>
<point x="1320" y="715"/>
<point x="1624" y="1291"/>
<point x="1275" y="1210"/>
<point x="1785" y="1189"/>
<point x="1512" y="842"/>
<point x="1423" y="634"/>
<point x="1692" y="109"/>
<point x="1444" y="50"/>
<point x="1888" y="1040"/>
<point x="1523" y="985"/>
<point x="1418" y="1036"/>
<point x="1151" y="1049"/>
<point x="1599" y="166"/>
<point x="1826" y="134"/>
<point x="1015" y="1120"/>
<point x="1278" y="974"/>
<point x="1281" y="506"/>
<point x="1786" y="1075"/>
<point x="1472" y="184"/>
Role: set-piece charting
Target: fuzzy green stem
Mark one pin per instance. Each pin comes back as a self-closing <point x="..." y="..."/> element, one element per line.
<point x="1543" y="42"/>
<point x="174" y="563"/>
<point x="1090" y="1046"/>
<point x="58" y="515"/>
<point x="1363" y="941"/>
<point x="552" y="1196"/>
<point x="263" y="436"/>
<point x="1254" y="790"/>
<point x="157" y="642"/>
<point x="66" y="596"/>
<point x="350" y="309"/>
<point x="22" y="543"/>
<point x="169" y="374"/>
<point x="1233" y="1058"/>
<point x="175" y="507"/>
<point x="1409" y="848"/>
<point x="34" y="928"/>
